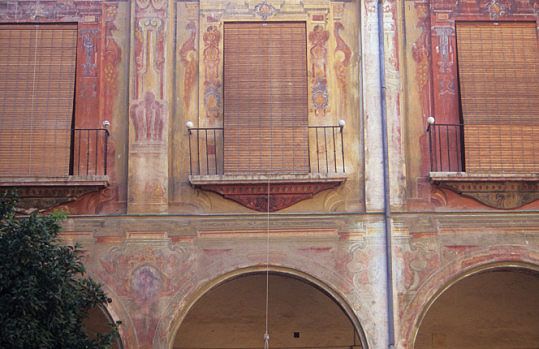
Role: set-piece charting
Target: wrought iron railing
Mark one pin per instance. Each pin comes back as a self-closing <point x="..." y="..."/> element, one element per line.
<point x="89" y="147"/>
<point x="326" y="150"/>
<point x="446" y="147"/>
<point x="206" y="151"/>
<point x="328" y="144"/>
<point x="484" y="149"/>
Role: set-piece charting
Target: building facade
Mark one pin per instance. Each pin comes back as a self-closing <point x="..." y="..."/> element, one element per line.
<point x="378" y="155"/>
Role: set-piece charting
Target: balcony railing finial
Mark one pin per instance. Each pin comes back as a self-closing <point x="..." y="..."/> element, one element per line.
<point x="341" y="124"/>
<point x="189" y="124"/>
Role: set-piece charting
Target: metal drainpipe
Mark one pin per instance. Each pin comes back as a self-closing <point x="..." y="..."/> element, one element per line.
<point x="387" y="202"/>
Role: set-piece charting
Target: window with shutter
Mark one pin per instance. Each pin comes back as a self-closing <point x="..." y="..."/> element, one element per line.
<point x="37" y="82"/>
<point x="265" y="134"/>
<point x="265" y="98"/>
<point x="498" y="67"/>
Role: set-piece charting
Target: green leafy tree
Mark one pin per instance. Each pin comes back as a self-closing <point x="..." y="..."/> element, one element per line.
<point x="44" y="295"/>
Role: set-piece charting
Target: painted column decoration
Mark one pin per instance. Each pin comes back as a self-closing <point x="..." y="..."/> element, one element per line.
<point x="87" y="89"/>
<point x="446" y="61"/>
<point x="212" y="82"/>
<point x="318" y="38"/>
<point x="343" y="54"/>
<point x="148" y="111"/>
<point x="422" y="55"/>
<point x="189" y="58"/>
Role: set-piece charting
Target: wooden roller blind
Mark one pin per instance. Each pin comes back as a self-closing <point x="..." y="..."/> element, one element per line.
<point x="265" y="98"/>
<point x="37" y="79"/>
<point x="498" y="65"/>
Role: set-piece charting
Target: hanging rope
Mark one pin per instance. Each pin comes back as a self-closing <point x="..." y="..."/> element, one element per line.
<point x="266" y="333"/>
<point x="32" y="110"/>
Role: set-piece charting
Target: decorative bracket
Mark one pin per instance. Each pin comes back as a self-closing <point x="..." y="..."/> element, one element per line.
<point x="44" y="193"/>
<point x="252" y="192"/>
<point x="502" y="192"/>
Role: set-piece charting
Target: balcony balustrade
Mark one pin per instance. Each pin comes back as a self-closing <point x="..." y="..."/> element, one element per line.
<point x="326" y="150"/>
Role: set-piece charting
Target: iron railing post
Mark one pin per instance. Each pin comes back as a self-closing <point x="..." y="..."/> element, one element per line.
<point x="106" y="152"/>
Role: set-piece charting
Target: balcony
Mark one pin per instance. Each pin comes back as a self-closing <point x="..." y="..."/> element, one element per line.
<point x="65" y="167"/>
<point x="325" y="169"/>
<point x="496" y="164"/>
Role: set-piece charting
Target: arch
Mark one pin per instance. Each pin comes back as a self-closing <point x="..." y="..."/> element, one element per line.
<point x="116" y="312"/>
<point x="454" y="272"/>
<point x="195" y="296"/>
<point x="94" y="323"/>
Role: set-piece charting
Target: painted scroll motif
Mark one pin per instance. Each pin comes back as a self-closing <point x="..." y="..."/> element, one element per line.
<point x="343" y="54"/>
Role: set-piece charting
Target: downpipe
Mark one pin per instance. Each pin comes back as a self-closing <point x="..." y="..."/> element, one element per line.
<point x="387" y="202"/>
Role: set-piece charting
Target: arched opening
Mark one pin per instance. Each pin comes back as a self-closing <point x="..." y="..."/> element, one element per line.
<point x="232" y="315"/>
<point x="495" y="308"/>
<point x="100" y="321"/>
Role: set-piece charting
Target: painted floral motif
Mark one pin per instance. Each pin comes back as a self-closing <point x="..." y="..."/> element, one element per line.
<point x="498" y="8"/>
<point x="265" y="10"/>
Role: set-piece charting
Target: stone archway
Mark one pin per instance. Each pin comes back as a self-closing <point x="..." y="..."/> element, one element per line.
<point x="496" y="307"/>
<point x="301" y="314"/>
<point x="98" y="321"/>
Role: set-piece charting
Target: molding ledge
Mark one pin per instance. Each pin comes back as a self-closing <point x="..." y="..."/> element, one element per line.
<point x="501" y="191"/>
<point x="252" y="191"/>
<point x="42" y="193"/>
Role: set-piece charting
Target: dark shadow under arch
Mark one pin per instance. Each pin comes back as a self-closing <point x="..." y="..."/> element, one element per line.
<point x="493" y="306"/>
<point x="290" y="328"/>
<point x="99" y="320"/>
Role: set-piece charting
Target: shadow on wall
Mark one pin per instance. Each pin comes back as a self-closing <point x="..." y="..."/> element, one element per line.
<point x="232" y="315"/>
<point x="494" y="309"/>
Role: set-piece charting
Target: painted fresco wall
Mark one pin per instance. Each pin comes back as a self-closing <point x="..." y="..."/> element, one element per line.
<point x="440" y="236"/>
<point x="157" y="244"/>
<point x="432" y="86"/>
<point x="154" y="276"/>
<point x="333" y="79"/>
<point x="102" y="78"/>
